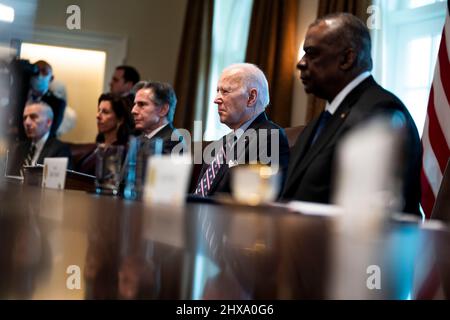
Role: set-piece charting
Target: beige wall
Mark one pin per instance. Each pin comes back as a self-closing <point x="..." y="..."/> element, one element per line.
<point x="307" y="14"/>
<point x="82" y="73"/>
<point x="152" y="28"/>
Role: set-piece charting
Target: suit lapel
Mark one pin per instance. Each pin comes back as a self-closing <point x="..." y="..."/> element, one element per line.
<point x="328" y="133"/>
<point x="164" y="133"/>
<point x="219" y="176"/>
<point x="301" y="147"/>
<point x="45" y="151"/>
<point x="304" y="156"/>
<point x="255" y="125"/>
<point x="22" y="152"/>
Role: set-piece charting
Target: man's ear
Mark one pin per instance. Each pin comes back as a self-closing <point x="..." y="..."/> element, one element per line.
<point x="51" y="78"/>
<point x="130" y="85"/>
<point x="49" y="123"/>
<point x="253" y="96"/>
<point x="164" y="110"/>
<point x="348" y="59"/>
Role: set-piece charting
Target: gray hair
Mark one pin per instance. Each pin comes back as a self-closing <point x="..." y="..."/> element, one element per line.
<point x="163" y="93"/>
<point x="352" y="33"/>
<point x="253" y="77"/>
<point x="45" y="108"/>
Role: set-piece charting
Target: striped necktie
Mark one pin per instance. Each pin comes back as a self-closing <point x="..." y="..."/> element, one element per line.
<point x="204" y="186"/>
<point x="30" y="155"/>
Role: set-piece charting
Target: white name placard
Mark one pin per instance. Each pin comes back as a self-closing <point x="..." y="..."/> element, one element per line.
<point x="54" y="175"/>
<point x="167" y="179"/>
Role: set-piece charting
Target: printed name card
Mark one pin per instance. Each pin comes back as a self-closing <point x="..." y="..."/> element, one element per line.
<point x="167" y="179"/>
<point x="54" y="175"/>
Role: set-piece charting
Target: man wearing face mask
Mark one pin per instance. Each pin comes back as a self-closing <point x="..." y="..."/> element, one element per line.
<point x="39" y="91"/>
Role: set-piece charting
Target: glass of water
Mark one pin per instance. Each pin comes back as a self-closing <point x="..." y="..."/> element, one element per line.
<point x="108" y="169"/>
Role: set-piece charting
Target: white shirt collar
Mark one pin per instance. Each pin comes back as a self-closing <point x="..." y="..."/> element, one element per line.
<point x="240" y="131"/>
<point x="154" y="132"/>
<point x="39" y="146"/>
<point x="331" y="107"/>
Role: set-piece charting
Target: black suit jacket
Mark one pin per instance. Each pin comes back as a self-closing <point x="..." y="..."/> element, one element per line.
<point x="143" y="148"/>
<point x="165" y="134"/>
<point x="53" y="148"/>
<point x="243" y="155"/>
<point x="310" y="170"/>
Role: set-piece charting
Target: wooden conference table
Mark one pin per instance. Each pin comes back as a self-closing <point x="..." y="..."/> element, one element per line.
<point x="77" y="245"/>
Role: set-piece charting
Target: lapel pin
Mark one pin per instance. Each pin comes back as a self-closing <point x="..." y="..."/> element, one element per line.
<point x="343" y="115"/>
<point x="232" y="163"/>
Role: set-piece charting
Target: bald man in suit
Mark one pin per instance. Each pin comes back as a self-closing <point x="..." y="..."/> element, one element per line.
<point x="336" y="67"/>
<point x="37" y="121"/>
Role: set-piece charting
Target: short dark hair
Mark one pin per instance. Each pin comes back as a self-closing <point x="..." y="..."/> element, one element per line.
<point x="162" y="93"/>
<point x="130" y="74"/>
<point x="44" y="64"/>
<point x="121" y="108"/>
<point x="352" y="32"/>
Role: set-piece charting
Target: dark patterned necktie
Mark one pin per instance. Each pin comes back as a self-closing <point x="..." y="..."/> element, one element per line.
<point x="30" y="155"/>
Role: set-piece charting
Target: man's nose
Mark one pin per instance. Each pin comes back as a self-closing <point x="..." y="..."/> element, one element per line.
<point x="218" y="98"/>
<point x="301" y="65"/>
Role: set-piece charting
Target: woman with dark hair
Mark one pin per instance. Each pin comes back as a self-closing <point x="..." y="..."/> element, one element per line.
<point x="114" y="123"/>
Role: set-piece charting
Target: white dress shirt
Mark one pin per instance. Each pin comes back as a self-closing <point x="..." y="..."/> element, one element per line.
<point x="240" y="131"/>
<point x="154" y="132"/>
<point x="331" y="107"/>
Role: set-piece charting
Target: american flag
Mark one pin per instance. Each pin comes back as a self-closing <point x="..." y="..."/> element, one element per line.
<point x="436" y="151"/>
<point x="436" y="134"/>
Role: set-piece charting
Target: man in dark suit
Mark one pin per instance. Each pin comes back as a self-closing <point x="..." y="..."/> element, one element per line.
<point x="37" y="121"/>
<point x="242" y="96"/>
<point x="122" y="82"/>
<point x="153" y="112"/>
<point x="336" y="67"/>
<point x="40" y="91"/>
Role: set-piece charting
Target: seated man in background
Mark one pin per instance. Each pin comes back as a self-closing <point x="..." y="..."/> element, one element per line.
<point x="153" y="112"/>
<point x="37" y="121"/>
<point x="336" y="67"/>
<point x="242" y="97"/>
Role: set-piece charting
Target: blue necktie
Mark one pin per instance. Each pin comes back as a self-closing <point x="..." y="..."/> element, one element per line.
<point x="325" y="116"/>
